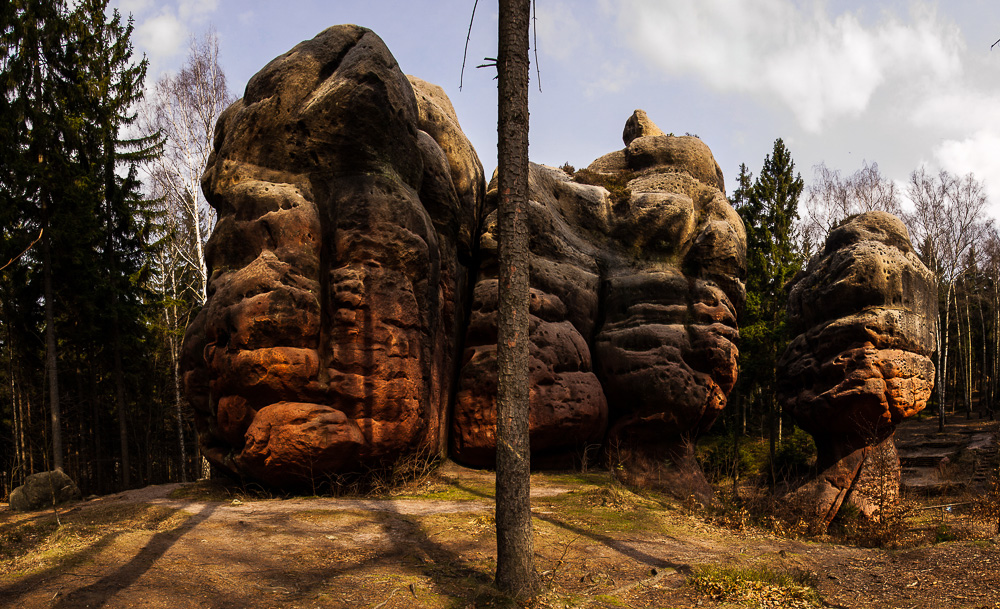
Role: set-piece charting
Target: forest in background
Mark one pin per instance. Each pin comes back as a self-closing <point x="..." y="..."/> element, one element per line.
<point x="104" y="225"/>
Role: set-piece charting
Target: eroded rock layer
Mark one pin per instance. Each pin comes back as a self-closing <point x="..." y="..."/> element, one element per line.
<point x="865" y="308"/>
<point x="348" y="201"/>
<point x="637" y="269"/>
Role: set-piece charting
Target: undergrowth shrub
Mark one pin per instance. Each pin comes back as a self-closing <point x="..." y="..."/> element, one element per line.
<point x="719" y="458"/>
<point x="795" y="455"/>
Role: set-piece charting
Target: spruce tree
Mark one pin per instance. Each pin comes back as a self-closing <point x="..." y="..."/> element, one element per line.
<point x="114" y="89"/>
<point x="70" y="86"/>
<point x="769" y="208"/>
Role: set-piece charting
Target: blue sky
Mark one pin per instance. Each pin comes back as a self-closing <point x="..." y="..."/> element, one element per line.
<point x="900" y="83"/>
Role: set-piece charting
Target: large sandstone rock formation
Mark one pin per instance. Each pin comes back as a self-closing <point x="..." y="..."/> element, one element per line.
<point x="348" y="203"/>
<point x="865" y="308"/>
<point x="350" y="214"/>
<point x="633" y="311"/>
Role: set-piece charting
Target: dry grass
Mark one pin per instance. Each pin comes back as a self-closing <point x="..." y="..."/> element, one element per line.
<point x="757" y="586"/>
<point x="34" y="541"/>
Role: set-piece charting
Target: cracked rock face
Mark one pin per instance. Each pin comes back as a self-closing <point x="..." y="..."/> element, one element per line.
<point x="865" y="309"/>
<point x="348" y="200"/>
<point x="633" y="312"/>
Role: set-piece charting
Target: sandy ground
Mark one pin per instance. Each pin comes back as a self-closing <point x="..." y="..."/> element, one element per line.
<point x="391" y="554"/>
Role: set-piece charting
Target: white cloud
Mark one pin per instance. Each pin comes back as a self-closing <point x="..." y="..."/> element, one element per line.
<point x="608" y="78"/>
<point x="189" y="10"/>
<point x="820" y="67"/>
<point x="161" y="36"/>
<point x="560" y="32"/>
<point x="977" y="154"/>
<point x="164" y="35"/>
<point x="959" y="107"/>
<point x="580" y="50"/>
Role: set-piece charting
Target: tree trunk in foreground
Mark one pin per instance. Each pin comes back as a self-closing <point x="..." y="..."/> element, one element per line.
<point x="515" y="552"/>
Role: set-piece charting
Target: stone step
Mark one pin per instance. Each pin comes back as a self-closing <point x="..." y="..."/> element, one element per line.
<point x="922" y="460"/>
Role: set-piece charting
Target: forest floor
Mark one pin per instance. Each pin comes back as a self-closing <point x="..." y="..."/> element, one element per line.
<point x="597" y="545"/>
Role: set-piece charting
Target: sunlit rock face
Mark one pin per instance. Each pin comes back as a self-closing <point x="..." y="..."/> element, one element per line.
<point x="865" y="308"/>
<point x="568" y="410"/>
<point x="345" y="328"/>
<point x="633" y="312"/>
<point x="348" y="202"/>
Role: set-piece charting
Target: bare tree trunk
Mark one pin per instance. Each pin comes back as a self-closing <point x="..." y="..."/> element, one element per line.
<point x="984" y="373"/>
<point x="515" y="548"/>
<point x="55" y="414"/>
<point x="968" y="355"/>
<point x="943" y="372"/>
<point x="772" y="443"/>
<point x="120" y="399"/>
<point x="996" y="342"/>
<point x="18" y="428"/>
<point x="15" y="407"/>
<point x="26" y="424"/>
<point x="962" y="379"/>
<point x="173" y="322"/>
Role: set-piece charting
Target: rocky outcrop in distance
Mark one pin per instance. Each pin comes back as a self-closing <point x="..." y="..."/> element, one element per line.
<point x="864" y="309"/>
<point x="352" y="303"/>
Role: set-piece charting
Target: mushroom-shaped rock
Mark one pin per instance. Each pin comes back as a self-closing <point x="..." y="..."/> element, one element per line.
<point x="347" y="196"/>
<point x="864" y="308"/>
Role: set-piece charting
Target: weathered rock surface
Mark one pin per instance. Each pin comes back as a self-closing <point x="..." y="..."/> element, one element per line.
<point x="634" y="300"/>
<point x="865" y="308"/>
<point x="351" y="210"/>
<point x="568" y="407"/>
<point x="639" y="125"/>
<point x="42" y="490"/>
<point x="348" y="201"/>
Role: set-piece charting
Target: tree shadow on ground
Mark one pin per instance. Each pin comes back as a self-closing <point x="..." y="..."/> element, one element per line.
<point x="29" y="584"/>
<point x="98" y="593"/>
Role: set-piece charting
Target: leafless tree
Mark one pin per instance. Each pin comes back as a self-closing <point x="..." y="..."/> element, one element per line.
<point x="184" y="107"/>
<point x="831" y="198"/>
<point x="948" y="220"/>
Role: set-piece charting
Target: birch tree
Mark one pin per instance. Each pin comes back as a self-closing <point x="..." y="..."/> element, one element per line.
<point x="832" y="198"/>
<point x="947" y="221"/>
<point x="184" y="108"/>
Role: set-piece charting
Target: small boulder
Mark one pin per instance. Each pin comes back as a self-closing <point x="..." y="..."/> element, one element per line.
<point x="38" y="491"/>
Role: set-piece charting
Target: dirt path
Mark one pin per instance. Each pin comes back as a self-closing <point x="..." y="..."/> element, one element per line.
<point x="594" y="548"/>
